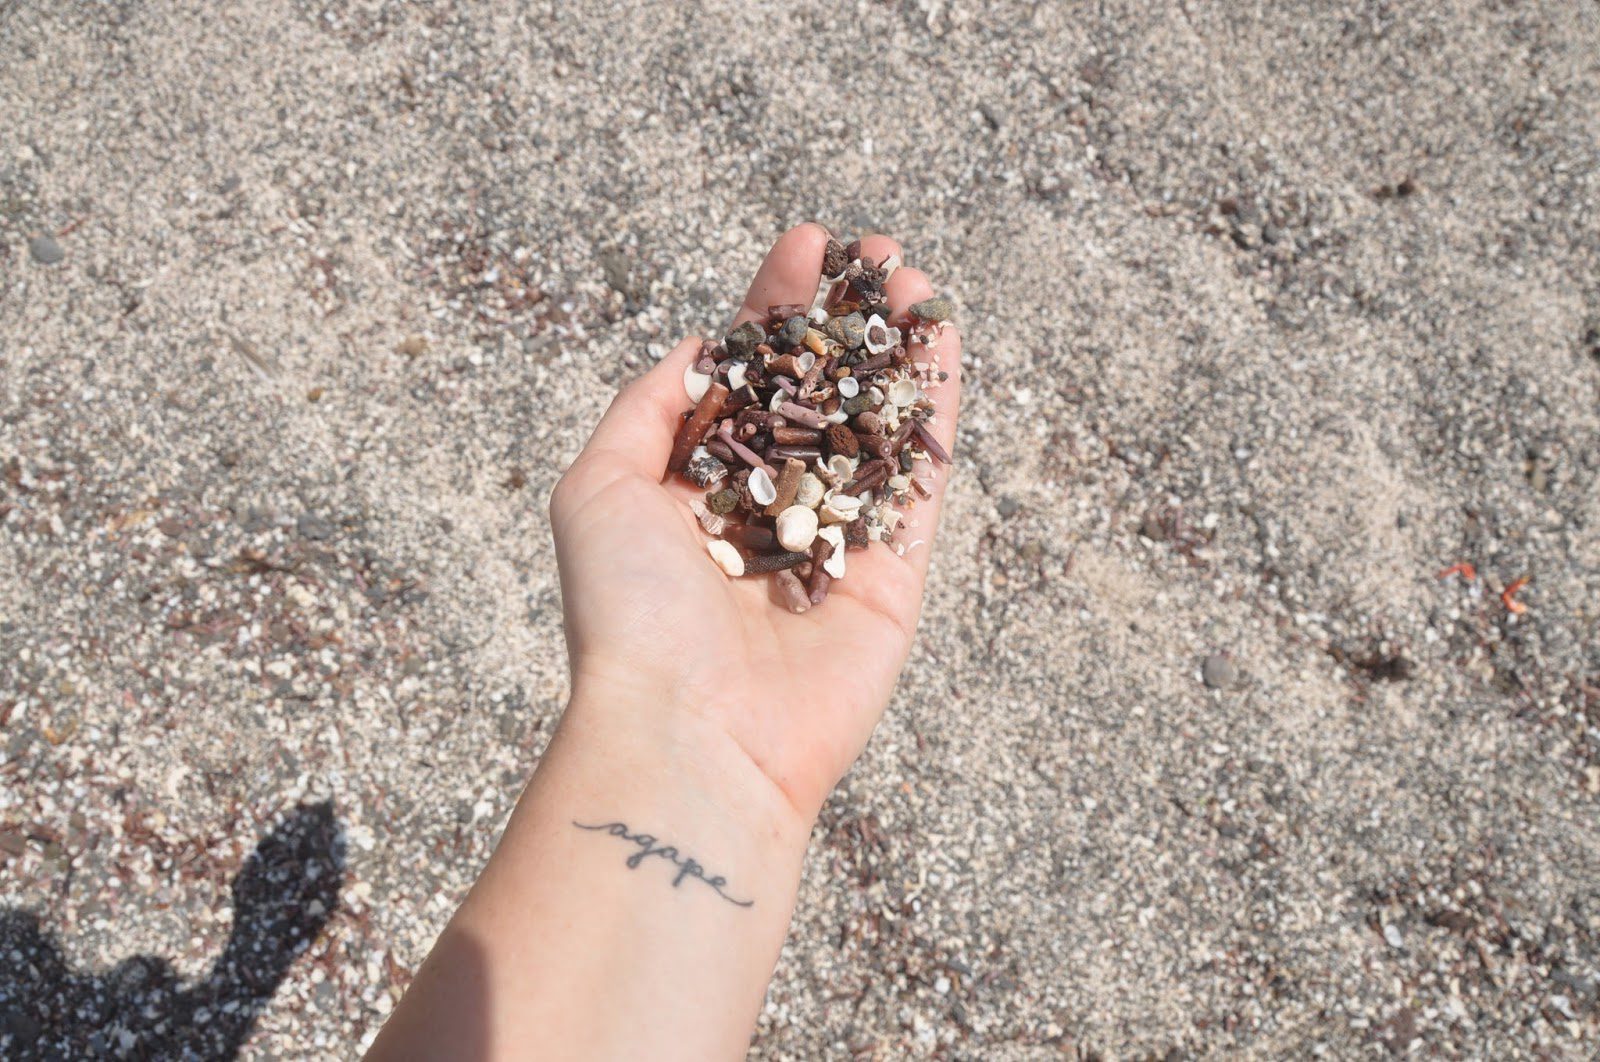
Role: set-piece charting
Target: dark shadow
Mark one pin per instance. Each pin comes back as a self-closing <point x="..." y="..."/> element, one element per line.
<point x="282" y="898"/>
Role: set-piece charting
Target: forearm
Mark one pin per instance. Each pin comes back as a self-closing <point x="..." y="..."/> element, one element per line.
<point x="635" y="906"/>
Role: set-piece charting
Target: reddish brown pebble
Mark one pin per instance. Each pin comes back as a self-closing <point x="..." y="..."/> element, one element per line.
<point x="751" y="537"/>
<point x="793" y="591"/>
<point x="872" y="364"/>
<point x="841" y="440"/>
<point x="789" y="436"/>
<point x="869" y="423"/>
<point x="694" y="429"/>
<point x="855" y="534"/>
<point x="787" y="484"/>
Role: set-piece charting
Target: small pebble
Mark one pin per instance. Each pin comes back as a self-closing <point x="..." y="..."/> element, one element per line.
<point x="793" y="333"/>
<point x="741" y="342"/>
<point x="937" y="308"/>
<point x="45" y="249"/>
<point x="1218" y="672"/>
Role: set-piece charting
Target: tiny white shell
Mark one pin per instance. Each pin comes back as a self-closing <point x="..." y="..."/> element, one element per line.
<point x="898" y="484"/>
<point x="890" y="264"/>
<point x="761" y="487"/>
<point x="809" y="492"/>
<point x="805" y="360"/>
<point x="840" y="509"/>
<point x="779" y="397"/>
<point x="849" y="387"/>
<point x="797" y="528"/>
<point x="903" y="392"/>
<point x="877" y="335"/>
<point x="842" y="467"/>
<point x="726" y="556"/>
<point x="695" y="384"/>
<point x="736" y="375"/>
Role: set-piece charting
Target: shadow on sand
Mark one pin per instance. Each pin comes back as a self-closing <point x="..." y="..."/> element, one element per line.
<point x="282" y="897"/>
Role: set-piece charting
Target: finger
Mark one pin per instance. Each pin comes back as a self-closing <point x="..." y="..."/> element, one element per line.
<point x="904" y="288"/>
<point x="789" y="273"/>
<point x="922" y="520"/>
<point x="638" y="428"/>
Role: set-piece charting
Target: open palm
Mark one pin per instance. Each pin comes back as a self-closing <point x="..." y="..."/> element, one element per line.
<point x="649" y="612"/>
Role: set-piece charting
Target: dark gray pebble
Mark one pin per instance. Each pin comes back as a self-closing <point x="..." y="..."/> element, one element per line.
<point x="793" y="333"/>
<point x="45" y="249"/>
<point x="741" y="342"/>
<point x="937" y="308"/>
<point x="1219" y="673"/>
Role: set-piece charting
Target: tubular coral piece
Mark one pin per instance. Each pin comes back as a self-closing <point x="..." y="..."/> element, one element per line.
<point x="787" y="484"/>
<point x="694" y="429"/>
<point x="929" y="443"/>
<point x="747" y="455"/>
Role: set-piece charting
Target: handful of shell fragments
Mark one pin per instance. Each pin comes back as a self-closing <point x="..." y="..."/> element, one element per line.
<point x="808" y="426"/>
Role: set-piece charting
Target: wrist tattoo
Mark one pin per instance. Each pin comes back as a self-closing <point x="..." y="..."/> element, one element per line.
<point x="650" y="849"/>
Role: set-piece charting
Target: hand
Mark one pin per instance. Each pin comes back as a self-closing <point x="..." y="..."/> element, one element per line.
<point x="650" y="616"/>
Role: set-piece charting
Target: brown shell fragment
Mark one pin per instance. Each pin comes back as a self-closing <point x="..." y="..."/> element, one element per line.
<point x="833" y="258"/>
<point x="694" y="429"/>
<point x="818" y="584"/>
<point x="855" y="534"/>
<point x="841" y="440"/>
<point x="787" y="484"/>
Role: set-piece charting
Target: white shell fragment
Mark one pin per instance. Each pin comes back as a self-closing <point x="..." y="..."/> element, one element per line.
<point x="809" y="492"/>
<point x="890" y="264"/>
<point x="903" y="392"/>
<point x="842" y="469"/>
<point x="849" y="387"/>
<point x="877" y="337"/>
<point x="797" y="528"/>
<point x="726" y="556"/>
<point x="713" y="523"/>
<point x="761" y="487"/>
<point x="841" y="509"/>
<point x="695" y="384"/>
<point x="834" y="565"/>
<point x="805" y="359"/>
<point x="736" y="375"/>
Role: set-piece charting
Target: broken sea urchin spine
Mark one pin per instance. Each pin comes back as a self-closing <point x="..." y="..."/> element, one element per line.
<point x="806" y="426"/>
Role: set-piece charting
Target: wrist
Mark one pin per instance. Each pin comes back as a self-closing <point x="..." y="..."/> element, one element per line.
<point x="657" y="750"/>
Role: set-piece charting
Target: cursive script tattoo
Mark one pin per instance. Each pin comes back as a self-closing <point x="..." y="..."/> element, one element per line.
<point x="649" y="849"/>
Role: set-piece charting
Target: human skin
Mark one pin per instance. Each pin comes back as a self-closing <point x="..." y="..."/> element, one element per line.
<point x="706" y="726"/>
